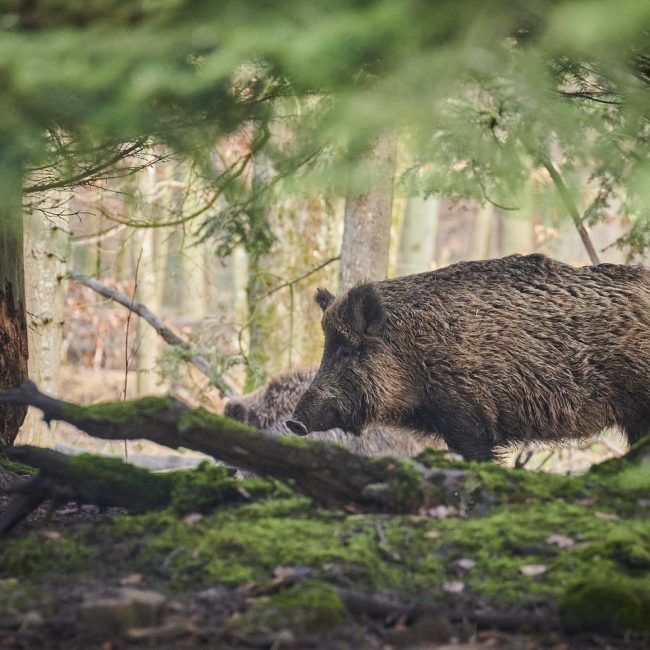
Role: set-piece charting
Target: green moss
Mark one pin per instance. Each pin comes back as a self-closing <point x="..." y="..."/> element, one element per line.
<point x="201" y="418"/>
<point x="635" y="479"/>
<point x="310" y="607"/>
<point x="109" y="481"/>
<point x="404" y="486"/>
<point x="15" y="596"/>
<point x="409" y="556"/>
<point x="15" y="468"/>
<point x="117" y="412"/>
<point x="34" y="554"/>
<point x="630" y="545"/>
<point x="607" y="605"/>
<point x="209" y="486"/>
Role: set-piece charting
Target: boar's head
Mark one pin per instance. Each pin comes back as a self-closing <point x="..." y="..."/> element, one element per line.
<point x="345" y="391"/>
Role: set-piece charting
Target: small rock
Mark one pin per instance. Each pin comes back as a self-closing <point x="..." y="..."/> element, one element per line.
<point x="132" y="580"/>
<point x="111" y="614"/>
<point x="607" y="516"/>
<point x="454" y="587"/>
<point x="432" y="534"/>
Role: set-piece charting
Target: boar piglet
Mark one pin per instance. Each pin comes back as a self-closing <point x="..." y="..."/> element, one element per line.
<point x="487" y="354"/>
<point x="268" y="409"/>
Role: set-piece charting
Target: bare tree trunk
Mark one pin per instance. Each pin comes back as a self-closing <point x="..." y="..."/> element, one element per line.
<point x="148" y="290"/>
<point x="483" y="232"/>
<point x="418" y="235"/>
<point x="13" y="325"/>
<point x="516" y="233"/>
<point x="46" y="252"/>
<point x="261" y="315"/>
<point x="367" y="220"/>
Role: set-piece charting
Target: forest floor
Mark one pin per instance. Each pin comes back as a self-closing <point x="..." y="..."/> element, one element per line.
<point x="530" y="560"/>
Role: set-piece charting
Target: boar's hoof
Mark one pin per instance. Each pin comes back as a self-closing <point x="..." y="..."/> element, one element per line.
<point x="297" y="427"/>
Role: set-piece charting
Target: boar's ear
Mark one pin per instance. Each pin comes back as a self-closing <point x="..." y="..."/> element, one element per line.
<point x="324" y="298"/>
<point x="368" y="312"/>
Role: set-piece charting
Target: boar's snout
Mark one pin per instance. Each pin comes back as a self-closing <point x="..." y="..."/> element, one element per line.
<point x="314" y="414"/>
<point x="297" y="427"/>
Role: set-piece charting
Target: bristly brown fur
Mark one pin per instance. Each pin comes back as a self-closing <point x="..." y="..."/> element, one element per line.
<point x="269" y="407"/>
<point x="490" y="353"/>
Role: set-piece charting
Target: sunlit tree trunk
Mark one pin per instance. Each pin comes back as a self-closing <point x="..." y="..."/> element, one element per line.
<point x="261" y="317"/>
<point x="418" y="235"/>
<point x="516" y="233"/>
<point x="148" y="291"/>
<point x="13" y="325"/>
<point x="367" y="220"/>
<point x="483" y="232"/>
<point x="46" y="254"/>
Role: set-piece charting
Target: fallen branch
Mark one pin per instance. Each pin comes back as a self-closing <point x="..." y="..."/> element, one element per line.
<point x="329" y="474"/>
<point x="164" y="331"/>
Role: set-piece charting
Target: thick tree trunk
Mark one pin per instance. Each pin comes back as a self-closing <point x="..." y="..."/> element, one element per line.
<point x="418" y="235"/>
<point x="367" y="220"/>
<point x="46" y="251"/>
<point x="13" y="326"/>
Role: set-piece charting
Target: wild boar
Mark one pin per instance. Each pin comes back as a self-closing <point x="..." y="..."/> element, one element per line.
<point x="270" y="407"/>
<point x="487" y="354"/>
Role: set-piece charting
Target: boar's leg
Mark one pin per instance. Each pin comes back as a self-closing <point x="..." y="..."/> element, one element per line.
<point x="469" y="441"/>
<point x="636" y="429"/>
<point x="460" y="428"/>
<point x="471" y="449"/>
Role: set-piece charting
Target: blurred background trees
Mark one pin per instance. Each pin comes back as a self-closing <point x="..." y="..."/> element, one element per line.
<point x="220" y="161"/>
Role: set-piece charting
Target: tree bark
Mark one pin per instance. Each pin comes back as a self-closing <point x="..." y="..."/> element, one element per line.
<point x="148" y="288"/>
<point x="46" y="251"/>
<point x="13" y="325"/>
<point x="367" y="220"/>
<point x="418" y="235"/>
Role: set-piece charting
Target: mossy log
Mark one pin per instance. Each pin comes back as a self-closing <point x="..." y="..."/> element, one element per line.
<point x="329" y="474"/>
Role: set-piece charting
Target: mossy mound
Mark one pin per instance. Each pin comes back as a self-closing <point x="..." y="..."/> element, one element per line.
<point x="313" y="607"/>
<point x="607" y="605"/>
